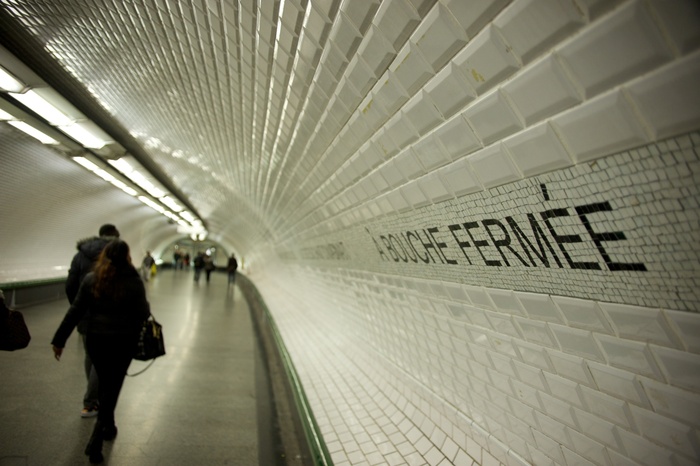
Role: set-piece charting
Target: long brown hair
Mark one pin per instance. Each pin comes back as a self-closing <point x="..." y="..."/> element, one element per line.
<point x="113" y="260"/>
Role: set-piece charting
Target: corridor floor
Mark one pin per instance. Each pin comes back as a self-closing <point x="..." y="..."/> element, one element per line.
<point x="197" y="405"/>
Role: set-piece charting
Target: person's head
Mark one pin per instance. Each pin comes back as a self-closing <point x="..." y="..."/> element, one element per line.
<point x="112" y="261"/>
<point x="109" y="230"/>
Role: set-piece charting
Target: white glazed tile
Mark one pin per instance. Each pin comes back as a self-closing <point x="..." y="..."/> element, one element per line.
<point x="439" y="36"/>
<point x="396" y="20"/>
<point x="542" y="90"/>
<point x="430" y="152"/>
<point x="505" y="301"/>
<point x="682" y="369"/>
<point x="577" y="342"/>
<point x="536" y="332"/>
<point x="583" y="313"/>
<point x="663" y="431"/>
<point x="617" y="49"/>
<point x="533" y="354"/>
<point x="398" y="202"/>
<point x="493" y="166"/>
<point x="640" y="323"/>
<point x="680" y="19"/>
<point x="457" y="137"/>
<point x="597" y="428"/>
<point x="539" y="306"/>
<point x="459" y="178"/>
<point x="486" y="61"/>
<point x="409" y="166"/>
<point x="400" y="130"/>
<point x="537" y="150"/>
<point x="450" y="90"/>
<point x="610" y="118"/>
<point x="630" y="355"/>
<point x="571" y="367"/>
<point x="672" y="402"/>
<point x="589" y="449"/>
<point x="558" y="409"/>
<point x="643" y="451"/>
<point x="572" y="457"/>
<point x="434" y="188"/>
<point x="618" y="383"/>
<point x="687" y="325"/>
<point x="474" y="16"/>
<point x="414" y="196"/>
<point x="608" y="407"/>
<point x="392" y="175"/>
<point x="564" y="389"/>
<point x="422" y="113"/>
<point x="411" y="68"/>
<point x="668" y="99"/>
<point x="492" y="118"/>
<point x="532" y="27"/>
<point x="503" y="324"/>
<point x="389" y="94"/>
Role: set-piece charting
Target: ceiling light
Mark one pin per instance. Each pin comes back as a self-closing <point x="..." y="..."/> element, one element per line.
<point x="151" y="204"/>
<point x="84" y="136"/>
<point x="43" y="108"/>
<point x="33" y="132"/>
<point x="9" y="83"/>
<point x="4" y="116"/>
<point x="170" y="202"/>
<point x="86" y="163"/>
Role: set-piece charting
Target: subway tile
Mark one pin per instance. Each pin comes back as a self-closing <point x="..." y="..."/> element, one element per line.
<point x="672" y="402"/>
<point x="434" y="188"/>
<point x="640" y="323"/>
<point x="643" y="451"/>
<point x="619" y="383"/>
<point x="396" y="20"/>
<point x="624" y="45"/>
<point x="630" y="355"/>
<point x="479" y="297"/>
<point x="526" y="394"/>
<point x="588" y="448"/>
<point x="492" y="118"/>
<point x="597" y="428"/>
<point x="430" y="152"/>
<point x="411" y="68"/>
<point x="532" y="376"/>
<point x="506" y="301"/>
<point x="457" y="137"/>
<point x="532" y="27"/>
<point x="550" y="447"/>
<point x="536" y="332"/>
<point x="577" y="342"/>
<point x="409" y="166"/>
<point x="680" y="21"/>
<point x="537" y="150"/>
<point x="389" y="94"/>
<point x="400" y="130"/>
<point x="413" y="195"/>
<point x="608" y="407"/>
<point x="572" y="457"/>
<point x="610" y="117"/>
<point x="533" y="354"/>
<point x="687" y="325"/>
<point x="493" y="166"/>
<point x="474" y="16"/>
<point x="681" y="369"/>
<point x="439" y="36"/>
<point x="422" y="113"/>
<point x="539" y="306"/>
<point x="360" y="75"/>
<point x="503" y="324"/>
<point x="668" y="99"/>
<point x="671" y="434"/>
<point x="563" y="389"/>
<point x="486" y="60"/>
<point x="450" y="90"/>
<point x="583" y="313"/>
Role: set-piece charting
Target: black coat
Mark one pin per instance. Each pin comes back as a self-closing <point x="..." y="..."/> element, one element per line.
<point x="102" y="315"/>
<point x="88" y="251"/>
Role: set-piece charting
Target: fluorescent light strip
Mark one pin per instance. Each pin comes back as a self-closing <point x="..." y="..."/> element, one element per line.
<point x="9" y="83"/>
<point x="83" y="136"/>
<point x="170" y="202"/>
<point x="4" y="116"/>
<point x="86" y="163"/>
<point x="33" y="132"/>
<point x="151" y="204"/>
<point x="47" y="111"/>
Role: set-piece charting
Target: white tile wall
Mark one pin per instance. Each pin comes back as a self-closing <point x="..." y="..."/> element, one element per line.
<point x="398" y="116"/>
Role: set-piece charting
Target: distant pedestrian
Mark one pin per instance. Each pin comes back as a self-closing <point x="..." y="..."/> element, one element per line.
<point x="231" y="268"/>
<point x="147" y="266"/>
<point x="208" y="266"/>
<point x="198" y="265"/>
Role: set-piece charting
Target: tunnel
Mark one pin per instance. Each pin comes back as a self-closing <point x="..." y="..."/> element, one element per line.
<point x="474" y="225"/>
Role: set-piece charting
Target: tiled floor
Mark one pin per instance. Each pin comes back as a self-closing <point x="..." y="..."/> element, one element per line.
<point x="195" y="406"/>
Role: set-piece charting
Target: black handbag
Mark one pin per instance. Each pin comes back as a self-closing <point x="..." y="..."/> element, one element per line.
<point x="14" y="333"/>
<point x="151" y="344"/>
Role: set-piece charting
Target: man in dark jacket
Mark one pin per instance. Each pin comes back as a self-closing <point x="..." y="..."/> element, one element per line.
<point x="88" y="251"/>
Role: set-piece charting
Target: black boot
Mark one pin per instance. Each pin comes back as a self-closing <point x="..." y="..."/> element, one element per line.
<point x="94" y="446"/>
<point x="109" y="432"/>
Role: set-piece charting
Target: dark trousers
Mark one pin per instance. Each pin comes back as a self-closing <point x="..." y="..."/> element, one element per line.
<point x="111" y="356"/>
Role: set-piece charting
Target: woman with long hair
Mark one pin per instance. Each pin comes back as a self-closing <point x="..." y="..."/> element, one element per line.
<point x="113" y="299"/>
